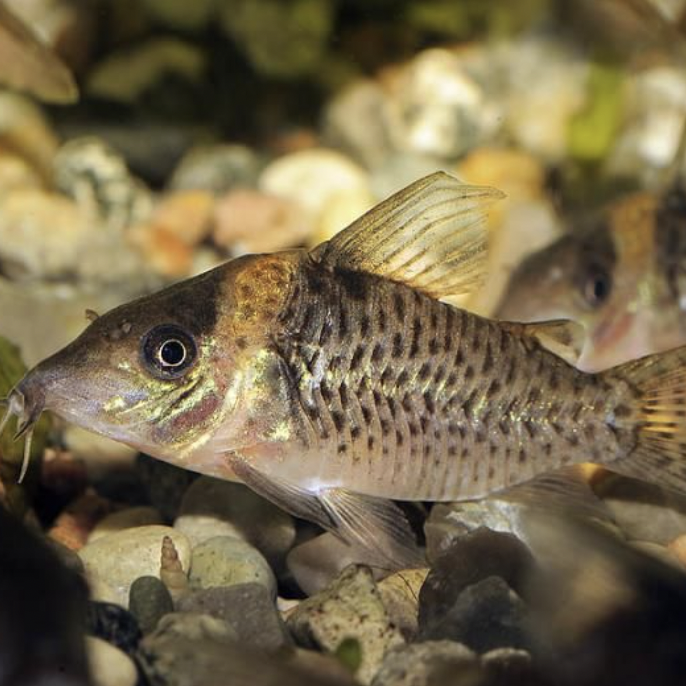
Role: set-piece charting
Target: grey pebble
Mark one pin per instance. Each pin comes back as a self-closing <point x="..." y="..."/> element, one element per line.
<point x="216" y="168"/>
<point x="643" y="511"/>
<point x="186" y="649"/>
<point x="473" y="557"/>
<point x="247" y="608"/>
<point x="212" y="507"/>
<point x="194" y="626"/>
<point x="425" y="664"/>
<point x="485" y="616"/>
<point x="314" y="564"/>
<point x="149" y="600"/>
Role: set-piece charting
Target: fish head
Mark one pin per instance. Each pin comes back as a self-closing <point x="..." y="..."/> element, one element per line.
<point x="601" y="275"/>
<point x="163" y="372"/>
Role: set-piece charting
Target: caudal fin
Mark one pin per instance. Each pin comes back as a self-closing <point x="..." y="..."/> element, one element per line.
<point x="659" y="418"/>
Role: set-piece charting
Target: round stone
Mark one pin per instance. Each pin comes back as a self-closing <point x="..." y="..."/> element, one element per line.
<point x="109" y="665"/>
<point x="312" y="178"/>
<point x="149" y="600"/>
<point x="130" y="518"/>
<point x="225" y="561"/>
<point x="212" y="507"/>
<point x="119" y="559"/>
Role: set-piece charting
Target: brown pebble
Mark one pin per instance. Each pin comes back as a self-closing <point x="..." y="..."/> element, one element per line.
<point x="186" y="215"/>
<point x="678" y="548"/>
<point x="164" y="252"/>
<point x="73" y="526"/>
<point x="255" y="222"/>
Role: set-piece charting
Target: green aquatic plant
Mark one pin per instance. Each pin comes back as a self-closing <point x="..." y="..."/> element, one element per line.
<point x="593" y="131"/>
<point x="349" y="654"/>
<point x="17" y="495"/>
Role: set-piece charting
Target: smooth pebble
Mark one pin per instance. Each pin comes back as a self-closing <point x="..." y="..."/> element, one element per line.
<point x="250" y="221"/>
<point x="130" y="518"/>
<point x="212" y="507"/>
<point x="109" y="665"/>
<point x="316" y="563"/>
<point x="313" y="178"/>
<point x="149" y="600"/>
<point x="248" y="608"/>
<point x="226" y="561"/>
<point x="119" y="559"/>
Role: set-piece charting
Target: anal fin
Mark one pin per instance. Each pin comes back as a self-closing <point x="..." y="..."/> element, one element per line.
<point x="564" y="491"/>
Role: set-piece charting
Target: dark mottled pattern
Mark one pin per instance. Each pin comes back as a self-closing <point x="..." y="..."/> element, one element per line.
<point x="192" y="304"/>
<point x="411" y="398"/>
<point x="670" y="241"/>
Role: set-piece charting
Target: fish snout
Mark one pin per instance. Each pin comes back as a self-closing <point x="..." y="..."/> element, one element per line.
<point x="26" y="402"/>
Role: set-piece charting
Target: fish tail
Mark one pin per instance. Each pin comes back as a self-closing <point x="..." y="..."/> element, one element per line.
<point x="658" y="419"/>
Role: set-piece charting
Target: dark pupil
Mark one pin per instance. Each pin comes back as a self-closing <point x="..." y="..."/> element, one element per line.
<point x="597" y="287"/>
<point x="172" y="353"/>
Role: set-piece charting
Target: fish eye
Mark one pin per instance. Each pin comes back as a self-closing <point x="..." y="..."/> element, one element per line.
<point x="168" y="351"/>
<point x="597" y="286"/>
<point x="172" y="353"/>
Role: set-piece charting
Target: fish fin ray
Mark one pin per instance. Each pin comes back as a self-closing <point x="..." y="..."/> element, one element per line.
<point x="31" y="65"/>
<point x="563" y="337"/>
<point x="431" y="236"/>
<point x="659" y="419"/>
<point x="375" y="524"/>
<point x="565" y="490"/>
<point x="297" y="501"/>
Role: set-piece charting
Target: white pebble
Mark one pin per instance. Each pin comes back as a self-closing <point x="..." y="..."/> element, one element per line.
<point x="109" y="665"/>
<point x="119" y="559"/>
<point x="130" y="518"/>
<point x="312" y="178"/>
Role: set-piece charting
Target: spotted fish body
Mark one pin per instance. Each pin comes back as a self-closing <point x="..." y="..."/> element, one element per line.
<point x="413" y="399"/>
<point x="335" y="380"/>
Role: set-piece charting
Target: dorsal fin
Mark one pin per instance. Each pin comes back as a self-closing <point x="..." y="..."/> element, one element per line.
<point x="431" y="235"/>
<point x="563" y="337"/>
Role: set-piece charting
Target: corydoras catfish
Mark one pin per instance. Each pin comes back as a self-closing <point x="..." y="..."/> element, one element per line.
<point x="334" y="381"/>
<point x="622" y="274"/>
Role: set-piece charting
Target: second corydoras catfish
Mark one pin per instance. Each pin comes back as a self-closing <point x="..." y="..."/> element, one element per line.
<point x="335" y="380"/>
<point x="621" y="272"/>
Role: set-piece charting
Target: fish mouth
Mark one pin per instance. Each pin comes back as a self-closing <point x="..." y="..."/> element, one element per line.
<point x="27" y="405"/>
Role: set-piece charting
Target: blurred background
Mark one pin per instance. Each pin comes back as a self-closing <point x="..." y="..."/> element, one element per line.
<point x="145" y="141"/>
<point x="208" y="129"/>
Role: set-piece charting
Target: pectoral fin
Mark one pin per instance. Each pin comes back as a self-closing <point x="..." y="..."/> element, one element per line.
<point x="430" y="235"/>
<point x="374" y="525"/>
<point x="293" y="499"/>
<point x="563" y="337"/>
